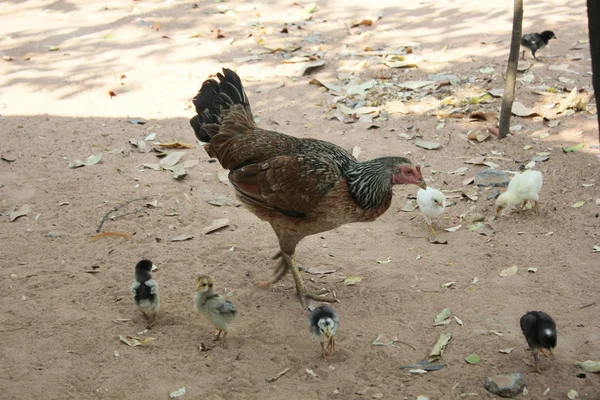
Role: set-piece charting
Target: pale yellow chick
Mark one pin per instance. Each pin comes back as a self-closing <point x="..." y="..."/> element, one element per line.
<point x="432" y="203"/>
<point x="214" y="307"/>
<point x="521" y="189"/>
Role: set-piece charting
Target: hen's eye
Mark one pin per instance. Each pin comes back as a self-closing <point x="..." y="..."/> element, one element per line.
<point x="409" y="171"/>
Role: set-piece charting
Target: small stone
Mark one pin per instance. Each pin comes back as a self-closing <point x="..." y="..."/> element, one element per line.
<point x="14" y="276"/>
<point x="491" y="177"/>
<point x="378" y="396"/>
<point x="507" y="386"/>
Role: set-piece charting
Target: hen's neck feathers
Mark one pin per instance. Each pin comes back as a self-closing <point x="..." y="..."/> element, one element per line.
<point x="370" y="182"/>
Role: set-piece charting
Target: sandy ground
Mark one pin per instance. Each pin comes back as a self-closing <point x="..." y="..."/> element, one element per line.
<point x="57" y="322"/>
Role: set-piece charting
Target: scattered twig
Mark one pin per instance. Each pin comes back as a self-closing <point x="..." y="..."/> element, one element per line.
<point x="414" y="237"/>
<point x="279" y="375"/>
<point x="407" y="344"/>
<point x="588" y="305"/>
<point x="108" y="216"/>
<point x="114" y="234"/>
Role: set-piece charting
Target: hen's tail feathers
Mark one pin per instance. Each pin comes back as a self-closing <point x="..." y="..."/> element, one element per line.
<point x="214" y="101"/>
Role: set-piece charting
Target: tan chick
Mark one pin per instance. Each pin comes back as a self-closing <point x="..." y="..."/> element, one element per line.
<point x="214" y="307"/>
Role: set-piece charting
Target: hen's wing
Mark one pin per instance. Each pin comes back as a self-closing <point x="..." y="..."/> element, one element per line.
<point x="291" y="184"/>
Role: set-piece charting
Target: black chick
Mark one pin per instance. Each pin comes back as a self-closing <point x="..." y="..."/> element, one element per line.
<point x="536" y="41"/>
<point x="539" y="330"/>
<point x="323" y="322"/>
<point x="145" y="290"/>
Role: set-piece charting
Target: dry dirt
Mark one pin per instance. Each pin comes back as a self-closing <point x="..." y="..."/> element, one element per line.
<point x="59" y="339"/>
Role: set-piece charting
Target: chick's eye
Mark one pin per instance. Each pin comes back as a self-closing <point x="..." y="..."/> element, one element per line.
<point x="210" y="285"/>
<point x="204" y="284"/>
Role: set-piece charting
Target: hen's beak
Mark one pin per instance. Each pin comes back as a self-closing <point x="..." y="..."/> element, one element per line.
<point x="423" y="185"/>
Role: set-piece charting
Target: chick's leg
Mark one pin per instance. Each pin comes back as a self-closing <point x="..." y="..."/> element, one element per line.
<point x="323" y="351"/>
<point x="223" y="337"/>
<point x="218" y="335"/>
<point x="331" y="345"/>
<point x="536" y="361"/>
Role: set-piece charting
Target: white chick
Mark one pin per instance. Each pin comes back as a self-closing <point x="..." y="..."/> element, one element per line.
<point x="214" y="307"/>
<point x="432" y="203"/>
<point x="521" y="189"/>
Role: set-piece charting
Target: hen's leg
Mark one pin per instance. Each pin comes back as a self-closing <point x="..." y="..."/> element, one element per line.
<point x="300" y="286"/>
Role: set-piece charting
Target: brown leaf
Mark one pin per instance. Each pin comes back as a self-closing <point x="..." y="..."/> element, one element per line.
<point x="176" y="145"/>
<point x="111" y="94"/>
<point x="486" y="116"/>
<point x="365" y="22"/>
<point x="156" y="25"/>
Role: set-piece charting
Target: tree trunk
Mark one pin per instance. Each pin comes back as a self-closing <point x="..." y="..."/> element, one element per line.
<point x="593" y="10"/>
<point x="511" y="68"/>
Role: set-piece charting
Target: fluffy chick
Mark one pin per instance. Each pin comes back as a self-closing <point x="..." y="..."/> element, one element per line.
<point x="145" y="290"/>
<point x="214" y="307"/>
<point x="539" y="330"/>
<point x="432" y="203"/>
<point x="521" y="189"/>
<point x="323" y="322"/>
<point x="536" y="41"/>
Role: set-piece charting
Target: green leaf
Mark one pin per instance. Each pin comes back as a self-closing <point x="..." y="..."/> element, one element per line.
<point x="352" y="280"/>
<point x="578" y="204"/>
<point x="473" y="359"/>
<point x="574" y="149"/>
<point x="443" y="315"/>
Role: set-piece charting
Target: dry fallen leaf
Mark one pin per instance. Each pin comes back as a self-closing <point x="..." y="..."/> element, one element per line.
<point x="181" y="238"/>
<point x="589" y="366"/>
<point x="135" y="341"/>
<point x="91" y="160"/>
<point x="509" y="271"/>
<point x="177" y="393"/>
<point x="520" y="110"/>
<point x="21" y="212"/>
<point x="440" y="345"/>
<point x="172" y="158"/>
<point x="216" y="225"/>
<point x="321" y="270"/>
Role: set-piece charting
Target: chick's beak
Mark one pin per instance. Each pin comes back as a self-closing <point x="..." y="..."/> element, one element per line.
<point x="551" y="350"/>
<point x="498" y="209"/>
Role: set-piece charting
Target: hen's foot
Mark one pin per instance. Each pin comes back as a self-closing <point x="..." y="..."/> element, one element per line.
<point x="303" y="294"/>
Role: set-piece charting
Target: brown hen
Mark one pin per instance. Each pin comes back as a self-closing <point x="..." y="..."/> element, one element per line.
<point x="300" y="186"/>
